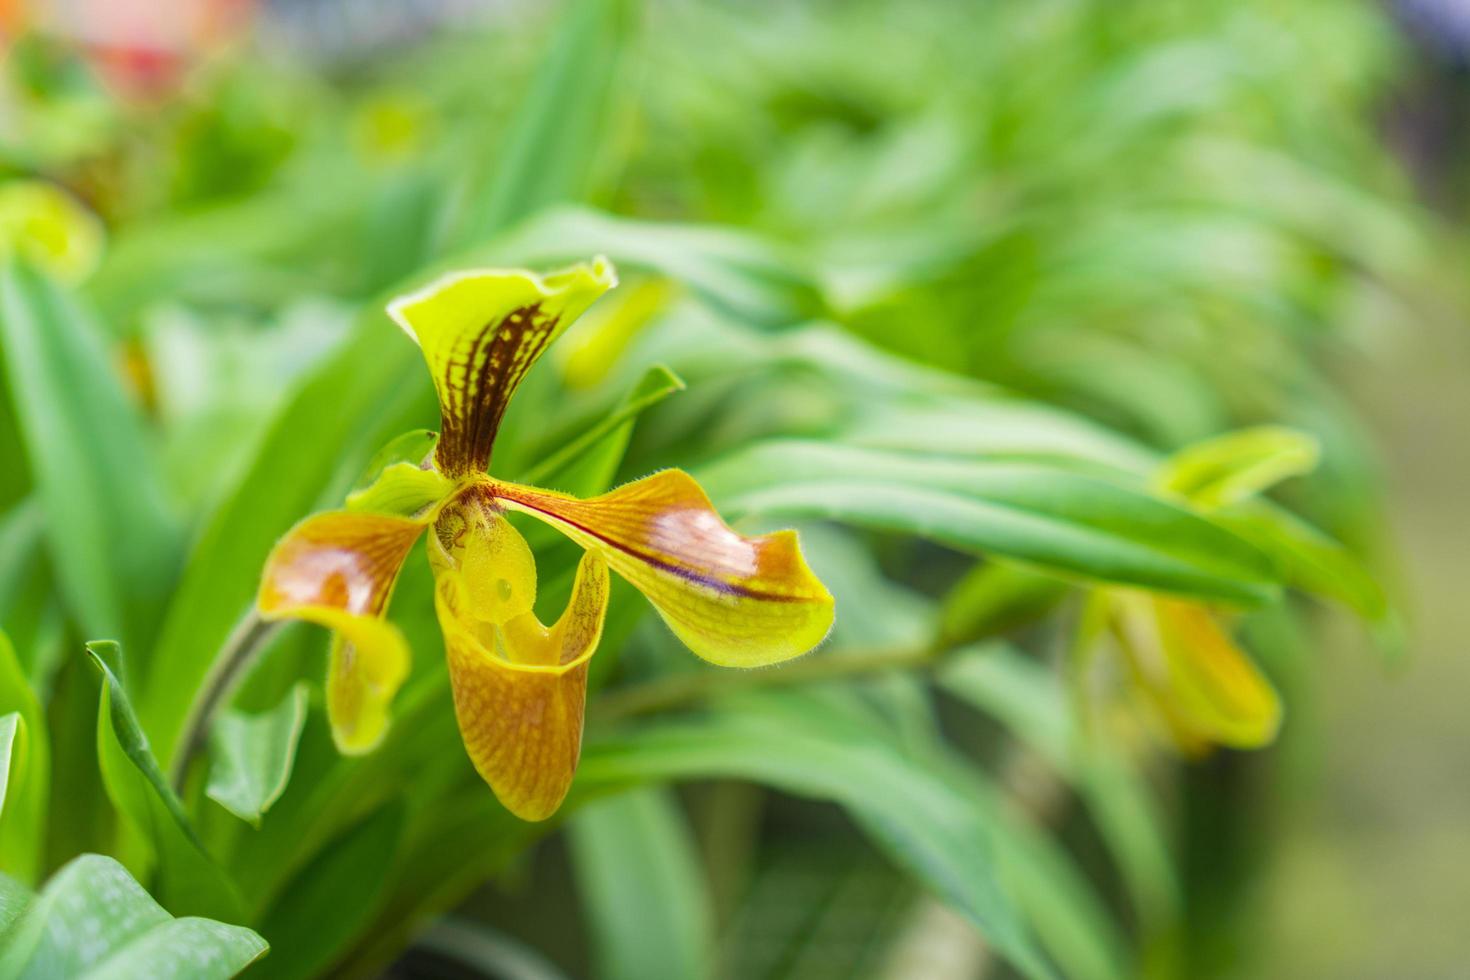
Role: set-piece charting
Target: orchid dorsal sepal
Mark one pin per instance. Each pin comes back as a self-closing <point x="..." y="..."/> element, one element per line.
<point x="520" y="686"/>
<point x="480" y="331"/>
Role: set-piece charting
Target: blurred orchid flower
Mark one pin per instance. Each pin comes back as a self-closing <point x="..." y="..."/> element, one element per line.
<point x="519" y="685"/>
<point x="1198" y="685"/>
<point x="46" y="226"/>
<point x="1199" y="688"/>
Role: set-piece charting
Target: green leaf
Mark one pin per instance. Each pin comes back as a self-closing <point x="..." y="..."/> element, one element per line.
<point x="922" y="823"/>
<point x="92" y="921"/>
<point x="489" y="951"/>
<point x="1022" y="694"/>
<point x="112" y="539"/>
<point x="12" y="745"/>
<point x="117" y="710"/>
<point x="1051" y="517"/>
<point x="316" y="917"/>
<point x="30" y="608"/>
<point x="587" y="464"/>
<point x="878" y="613"/>
<point x="20" y="830"/>
<point x="253" y="755"/>
<point x="15" y="898"/>
<point x="1069" y="917"/>
<point x="546" y="156"/>
<point x="1230" y="468"/>
<point x="995" y="597"/>
<point x="189" y="879"/>
<point x="1017" y="691"/>
<point x="1308" y="559"/>
<point x="638" y="843"/>
<point x="450" y="848"/>
<point x="28" y="776"/>
<point x="21" y="530"/>
<point x="731" y="270"/>
<point x="269" y="241"/>
<point x="993" y="426"/>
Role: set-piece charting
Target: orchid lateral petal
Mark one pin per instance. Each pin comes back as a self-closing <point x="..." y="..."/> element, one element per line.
<point x="733" y="600"/>
<point x="480" y="331"/>
<point x="338" y="570"/>
<point x="337" y="560"/>
<point x="368" y="662"/>
<point x="520" y="690"/>
<point x="1208" y="689"/>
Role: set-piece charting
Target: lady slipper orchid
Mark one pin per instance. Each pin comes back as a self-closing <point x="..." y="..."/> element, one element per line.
<point x="519" y="685"/>
<point x="1201" y="688"/>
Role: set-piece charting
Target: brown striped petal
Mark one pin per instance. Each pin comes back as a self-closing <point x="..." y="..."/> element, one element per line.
<point x="480" y="332"/>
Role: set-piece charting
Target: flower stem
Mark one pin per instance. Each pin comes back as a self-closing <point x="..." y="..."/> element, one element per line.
<point x="239" y="651"/>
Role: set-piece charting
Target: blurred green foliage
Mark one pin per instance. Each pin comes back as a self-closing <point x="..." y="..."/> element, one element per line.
<point x="947" y="284"/>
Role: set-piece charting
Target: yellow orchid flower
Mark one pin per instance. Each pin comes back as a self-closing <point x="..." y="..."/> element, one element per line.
<point x="520" y="686"/>
<point x="1197" y="685"/>
<point x="48" y="227"/>
<point x="1200" y="687"/>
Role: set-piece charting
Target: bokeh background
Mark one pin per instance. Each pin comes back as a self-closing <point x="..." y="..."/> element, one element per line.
<point x="1172" y="217"/>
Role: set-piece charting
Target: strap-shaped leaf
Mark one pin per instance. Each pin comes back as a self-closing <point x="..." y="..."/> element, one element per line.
<point x="20" y="827"/>
<point x="188" y="878"/>
<point x="117" y="712"/>
<point x="109" y="528"/>
<point x="790" y="741"/>
<point x="1046" y="515"/>
<point x="1025" y="696"/>
<point x="27" y="782"/>
<point x="640" y="843"/>
<point x="327" y="904"/>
